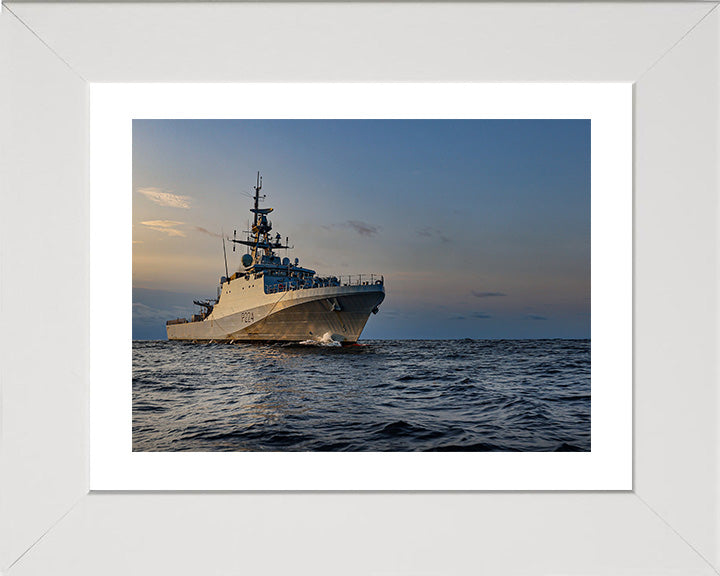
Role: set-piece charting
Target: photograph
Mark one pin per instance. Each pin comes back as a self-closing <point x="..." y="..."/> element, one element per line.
<point x="361" y="285"/>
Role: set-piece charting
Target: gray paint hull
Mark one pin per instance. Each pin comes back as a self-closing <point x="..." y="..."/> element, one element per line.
<point x="339" y="313"/>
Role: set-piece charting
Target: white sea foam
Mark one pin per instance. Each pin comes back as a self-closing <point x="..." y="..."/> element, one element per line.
<point x="326" y="340"/>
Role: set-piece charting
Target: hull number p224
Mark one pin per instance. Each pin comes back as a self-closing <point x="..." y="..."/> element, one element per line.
<point x="247" y="317"/>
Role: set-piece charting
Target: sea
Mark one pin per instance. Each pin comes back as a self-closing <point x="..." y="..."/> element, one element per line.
<point x="378" y="395"/>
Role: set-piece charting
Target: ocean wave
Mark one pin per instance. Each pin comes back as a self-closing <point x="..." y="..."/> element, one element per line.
<point x="382" y="396"/>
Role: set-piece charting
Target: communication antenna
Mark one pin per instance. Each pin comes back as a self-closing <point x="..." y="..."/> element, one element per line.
<point x="225" y="256"/>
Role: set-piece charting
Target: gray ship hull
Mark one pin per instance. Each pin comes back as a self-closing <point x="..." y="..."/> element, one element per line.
<point x="337" y="312"/>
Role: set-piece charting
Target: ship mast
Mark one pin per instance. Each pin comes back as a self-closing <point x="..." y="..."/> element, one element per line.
<point x="257" y="220"/>
<point x="257" y="187"/>
<point x="260" y="231"/>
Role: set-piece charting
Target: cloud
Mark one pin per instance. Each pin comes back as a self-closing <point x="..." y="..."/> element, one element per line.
<point x="535" y="317"/>
<point x="148" y="314"/>
<point x="163" y="198"/>
<point x="434" y="233"/>
<point x="487" y="294"/>
<point x="362" y="228"/>
<point x="473" y="315"/>
<point x="143" y="312"/>
<point x="481" y="315"/>
<point x="206" y="231"/>
<point x="169" y="227"/>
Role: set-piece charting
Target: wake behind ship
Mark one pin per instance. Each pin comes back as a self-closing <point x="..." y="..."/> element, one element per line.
<point x="275" y="300"/>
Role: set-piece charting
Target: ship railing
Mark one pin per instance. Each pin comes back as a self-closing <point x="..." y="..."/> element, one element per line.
<point x="287" y="287"/>
<point x="324" y="282"/>
<point x="362" y="280"/>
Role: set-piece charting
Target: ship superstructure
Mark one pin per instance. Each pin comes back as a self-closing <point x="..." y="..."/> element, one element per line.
<point x="273" y="299"/>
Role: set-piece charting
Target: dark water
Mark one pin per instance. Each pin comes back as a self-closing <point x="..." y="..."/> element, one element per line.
<point x="481" y="395"/>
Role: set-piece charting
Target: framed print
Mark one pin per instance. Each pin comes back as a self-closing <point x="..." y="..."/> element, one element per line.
<point x="118" y="463"/>
<point x="57" y="57"/>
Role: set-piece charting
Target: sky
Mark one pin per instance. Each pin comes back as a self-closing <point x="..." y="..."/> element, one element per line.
<point x="481" y="228"/>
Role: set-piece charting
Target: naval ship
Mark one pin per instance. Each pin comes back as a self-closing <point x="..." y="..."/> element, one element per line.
<point x="270" y="299"/>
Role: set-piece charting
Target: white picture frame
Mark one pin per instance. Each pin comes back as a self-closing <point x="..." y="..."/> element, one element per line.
<point x="668" y="523"/>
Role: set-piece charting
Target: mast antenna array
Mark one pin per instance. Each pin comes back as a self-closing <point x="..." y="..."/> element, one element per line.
<point x="258" y="187"/>
<point x="258" y="238"/>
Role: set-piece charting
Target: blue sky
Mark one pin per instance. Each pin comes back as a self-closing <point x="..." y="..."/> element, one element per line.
<point x="480" y="227"/>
